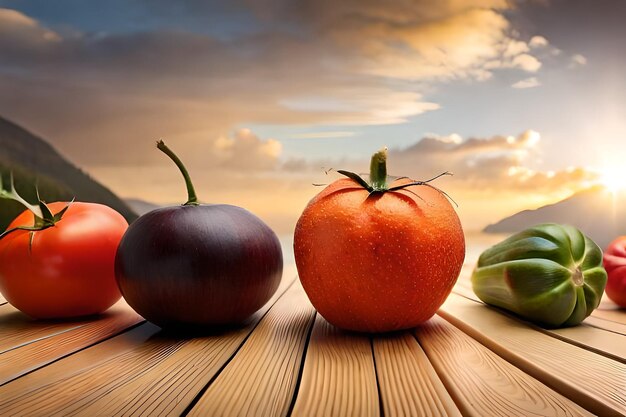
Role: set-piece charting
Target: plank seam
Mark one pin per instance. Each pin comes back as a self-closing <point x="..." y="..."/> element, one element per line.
<point x="39" y="339"/>
<point x="204" y="389"/>
<point x="463" y="409"/>
<point x="546" y="332"/>
<point x="381" y="409"/>
<point x="589" y="401"/>
<point x="294" y="397"/>
<point x="606" y="330"/>
<point x="75" y="351"/>
<point x="604" y="318"/>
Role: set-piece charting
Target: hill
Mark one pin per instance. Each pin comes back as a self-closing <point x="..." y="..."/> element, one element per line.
<point x="33" y="160"/>
<point x="596" y="211"/>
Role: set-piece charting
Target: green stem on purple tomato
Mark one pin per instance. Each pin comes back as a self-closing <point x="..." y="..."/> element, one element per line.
<point x="192" y="200"/>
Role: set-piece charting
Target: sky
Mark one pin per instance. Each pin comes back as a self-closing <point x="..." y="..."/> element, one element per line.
<point x="523" y="100"/>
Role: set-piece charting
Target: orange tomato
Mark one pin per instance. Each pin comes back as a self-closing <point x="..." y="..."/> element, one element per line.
<point x="378" y="261"/>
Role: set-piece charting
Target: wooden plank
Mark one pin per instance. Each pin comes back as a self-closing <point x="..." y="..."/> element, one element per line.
<point x="157" y="376"/>
<point x="16" y="390"/>
<point x="17" y="329"/>
<point x="55" y="389"/>
<point x="605" y="338"/>
<point x="262" y="378"/>
<point x="617" y="315"/>
<point x="409" y="385"/>
<point x="482" y="383"/>
<point x="595" y="382"/>
<point x="339" y="378"/>
<point x="608" y="325"/>
<point x="38" y="353"/>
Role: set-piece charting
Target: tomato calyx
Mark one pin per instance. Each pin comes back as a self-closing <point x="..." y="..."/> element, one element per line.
<point x="192" y="199"/>
<point x="379" y="178"/>
<point x="44" y="218"/>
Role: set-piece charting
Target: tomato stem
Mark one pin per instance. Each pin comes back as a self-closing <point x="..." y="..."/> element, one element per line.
<point x="192" y="200"/>
<point x="378" y="177"/>
<point x="12" y="194"/>
<point x="378" y="170"/>
<point x="43" y="217"/>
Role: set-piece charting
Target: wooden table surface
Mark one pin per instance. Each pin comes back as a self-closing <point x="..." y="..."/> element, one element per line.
<point x="469" y="359"/>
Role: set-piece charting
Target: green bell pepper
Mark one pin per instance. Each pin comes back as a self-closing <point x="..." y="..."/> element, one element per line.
<point x="549" y="274"/>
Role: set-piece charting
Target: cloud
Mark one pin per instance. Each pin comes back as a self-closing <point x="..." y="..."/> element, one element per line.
<point x="538" y="42"/>
<point x="454" y="146"/>
<point x="451" y="138"/>
<point x="494" y="164"/>
<point x="299" y="62"/>
<point x="324" y="135"/>
<point x="246" y="151"/>
<point x="527" y="83"/>
<point x="577" y="60"/>
<point x="17" y="28"/>
<point x="103" y="98"/>
<point x="526" y="62"/>
<point x="361" y="105"/>
<point x="515" y="47"/>
<point x="452" y="47"/>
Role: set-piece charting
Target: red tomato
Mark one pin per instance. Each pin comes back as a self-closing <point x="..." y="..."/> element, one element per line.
<point x="615" y="265"/>
<point x="378" y="262"/>
<point x="67" y="270"/>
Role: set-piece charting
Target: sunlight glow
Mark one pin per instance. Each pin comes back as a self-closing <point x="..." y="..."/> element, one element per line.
<point x="614" y="178"/>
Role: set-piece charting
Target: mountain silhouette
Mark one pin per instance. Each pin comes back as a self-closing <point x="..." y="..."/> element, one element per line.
<point x="142" y="207"/>
<point x="34" y="161"/>
<point x="597" y="212"/>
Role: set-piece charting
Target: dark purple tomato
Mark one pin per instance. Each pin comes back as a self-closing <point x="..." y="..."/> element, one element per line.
<point x="196" y="265"/>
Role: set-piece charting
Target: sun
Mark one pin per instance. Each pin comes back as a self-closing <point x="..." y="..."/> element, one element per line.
<point x="614" y="178"/>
